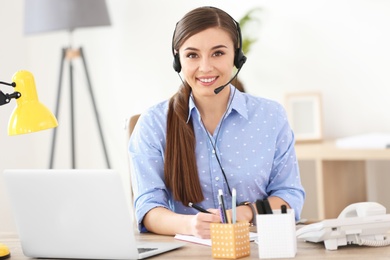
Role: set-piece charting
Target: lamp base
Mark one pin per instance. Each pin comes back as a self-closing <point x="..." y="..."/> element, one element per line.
<point x="4" y="252"/>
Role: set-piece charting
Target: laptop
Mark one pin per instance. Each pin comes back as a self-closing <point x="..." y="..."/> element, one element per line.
<point x="82" y="214"/>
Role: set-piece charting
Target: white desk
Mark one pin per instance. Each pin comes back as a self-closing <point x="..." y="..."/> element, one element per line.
<point x="340" y="175"/>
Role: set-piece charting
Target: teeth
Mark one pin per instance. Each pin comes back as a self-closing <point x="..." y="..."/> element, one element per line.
<point x="207" y="80"/>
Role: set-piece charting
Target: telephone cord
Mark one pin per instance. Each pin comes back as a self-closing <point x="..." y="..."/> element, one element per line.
<point x="373" y="243"/>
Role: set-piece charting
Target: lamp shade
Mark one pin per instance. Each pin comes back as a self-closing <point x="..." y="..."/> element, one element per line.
<point x="29" y="115"/>
<point x="51" y="15"/>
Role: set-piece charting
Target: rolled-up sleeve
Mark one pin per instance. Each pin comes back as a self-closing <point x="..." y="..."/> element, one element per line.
<point x="146" y="151"/>
<point x="285" y="179"/>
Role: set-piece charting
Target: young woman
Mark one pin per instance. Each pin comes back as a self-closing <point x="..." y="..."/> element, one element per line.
<point x="184" y="150"/>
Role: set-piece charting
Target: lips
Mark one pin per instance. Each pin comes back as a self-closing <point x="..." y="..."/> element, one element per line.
<point x="208" y="80"/>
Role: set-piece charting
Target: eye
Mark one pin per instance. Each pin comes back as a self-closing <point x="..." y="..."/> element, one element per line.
<point x="218" y="53"/>
<point x="192" y="55"/>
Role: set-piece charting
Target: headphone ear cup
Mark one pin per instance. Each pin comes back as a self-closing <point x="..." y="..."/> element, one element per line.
<point x="176" y="63"/>
<point x="239" y="58"/>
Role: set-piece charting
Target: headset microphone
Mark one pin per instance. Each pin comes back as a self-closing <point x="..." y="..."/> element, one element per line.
<point x="219" y="89"/>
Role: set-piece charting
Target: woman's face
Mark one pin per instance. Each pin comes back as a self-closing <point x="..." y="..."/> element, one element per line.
<point x="207" y="60"/>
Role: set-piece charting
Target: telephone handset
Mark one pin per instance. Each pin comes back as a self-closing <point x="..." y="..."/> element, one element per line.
<point x="363" y="209"/>
<point x="363" y="223"/>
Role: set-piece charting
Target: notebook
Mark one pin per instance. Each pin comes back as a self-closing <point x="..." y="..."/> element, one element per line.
<point x="75" y="214"/>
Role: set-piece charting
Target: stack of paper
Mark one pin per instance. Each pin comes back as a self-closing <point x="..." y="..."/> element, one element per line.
<point x="365" y="141"/>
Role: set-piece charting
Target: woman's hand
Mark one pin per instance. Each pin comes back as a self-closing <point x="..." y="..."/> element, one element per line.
<point x="200" y="223"/>
<point x="163" y="221"/>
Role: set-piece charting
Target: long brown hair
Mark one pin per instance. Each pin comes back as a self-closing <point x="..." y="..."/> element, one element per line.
<point x="180" y="168"/>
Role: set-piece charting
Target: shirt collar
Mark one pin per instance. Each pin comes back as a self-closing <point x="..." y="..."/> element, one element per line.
<point x="238" y="104"/>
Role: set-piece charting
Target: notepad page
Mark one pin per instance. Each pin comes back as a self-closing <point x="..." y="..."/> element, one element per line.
<point x="206" y="242"/>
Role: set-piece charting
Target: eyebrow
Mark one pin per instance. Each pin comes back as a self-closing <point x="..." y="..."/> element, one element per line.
<point x="215" y="47"/>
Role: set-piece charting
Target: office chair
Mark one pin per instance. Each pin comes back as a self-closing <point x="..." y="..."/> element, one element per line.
<point x="131" y="124"/>
<point x="130" y="127"/>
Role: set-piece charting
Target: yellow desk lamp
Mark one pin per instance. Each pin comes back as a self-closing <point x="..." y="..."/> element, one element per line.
<point x="29" y="115"/>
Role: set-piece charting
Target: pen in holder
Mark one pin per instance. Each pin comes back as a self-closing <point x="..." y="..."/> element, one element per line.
<point x="230" y="240"/>
<point x="276" y="234"/>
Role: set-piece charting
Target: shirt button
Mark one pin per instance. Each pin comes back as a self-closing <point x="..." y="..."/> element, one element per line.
<point x="217" y="178"/>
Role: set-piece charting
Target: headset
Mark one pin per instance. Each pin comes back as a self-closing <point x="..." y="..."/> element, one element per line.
<point x="239" y="57"/>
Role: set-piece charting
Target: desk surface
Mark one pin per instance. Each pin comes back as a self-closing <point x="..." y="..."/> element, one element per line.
<point x="195" y="251"/>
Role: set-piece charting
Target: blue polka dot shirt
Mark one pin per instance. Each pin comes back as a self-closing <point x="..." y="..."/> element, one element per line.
<point x="254" y="144"/>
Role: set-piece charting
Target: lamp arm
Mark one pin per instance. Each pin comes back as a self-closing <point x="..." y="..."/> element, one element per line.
<point x="13" y="84"/>
<point x="6" y="98"/>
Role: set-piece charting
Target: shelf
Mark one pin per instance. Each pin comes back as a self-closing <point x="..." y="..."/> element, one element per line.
<point x="339" y="176"/>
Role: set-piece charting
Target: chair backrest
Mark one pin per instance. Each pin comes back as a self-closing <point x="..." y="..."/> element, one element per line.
<point x="132" y="122"/>
<point x="130" y="127"/>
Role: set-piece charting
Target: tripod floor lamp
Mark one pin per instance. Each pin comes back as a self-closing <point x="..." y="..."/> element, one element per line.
<point x="48" y="15"/>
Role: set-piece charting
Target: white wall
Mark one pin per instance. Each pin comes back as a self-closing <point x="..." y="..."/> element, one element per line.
<point x="339" y="47"/>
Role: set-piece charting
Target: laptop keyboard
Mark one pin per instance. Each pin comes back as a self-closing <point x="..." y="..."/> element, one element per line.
<point x="145" y="249"/>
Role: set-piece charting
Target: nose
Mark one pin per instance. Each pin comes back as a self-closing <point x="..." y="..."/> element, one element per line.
<point x="205" y="64"/>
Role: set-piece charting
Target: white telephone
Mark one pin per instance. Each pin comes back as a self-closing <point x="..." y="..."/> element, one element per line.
<point x="363" y="223"/>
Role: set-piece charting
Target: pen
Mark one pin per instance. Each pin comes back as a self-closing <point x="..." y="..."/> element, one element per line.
<point x="222" y="208"/>
<point x="234" y="195"/>
<point x="198" y="208"/>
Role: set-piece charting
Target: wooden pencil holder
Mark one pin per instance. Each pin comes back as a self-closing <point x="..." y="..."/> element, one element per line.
<point x="230" y="240"/>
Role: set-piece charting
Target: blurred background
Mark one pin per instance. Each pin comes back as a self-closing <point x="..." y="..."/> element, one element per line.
<point x="339" y="48"/>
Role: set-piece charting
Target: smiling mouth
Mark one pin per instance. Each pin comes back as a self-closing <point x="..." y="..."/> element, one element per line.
<point x="208" y="80"/>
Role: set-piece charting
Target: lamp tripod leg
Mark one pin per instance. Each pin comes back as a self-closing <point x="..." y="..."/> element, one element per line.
<point x="72" y="122"/>
<point x="53" y="142"/>
<point x="95" y="108"/>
